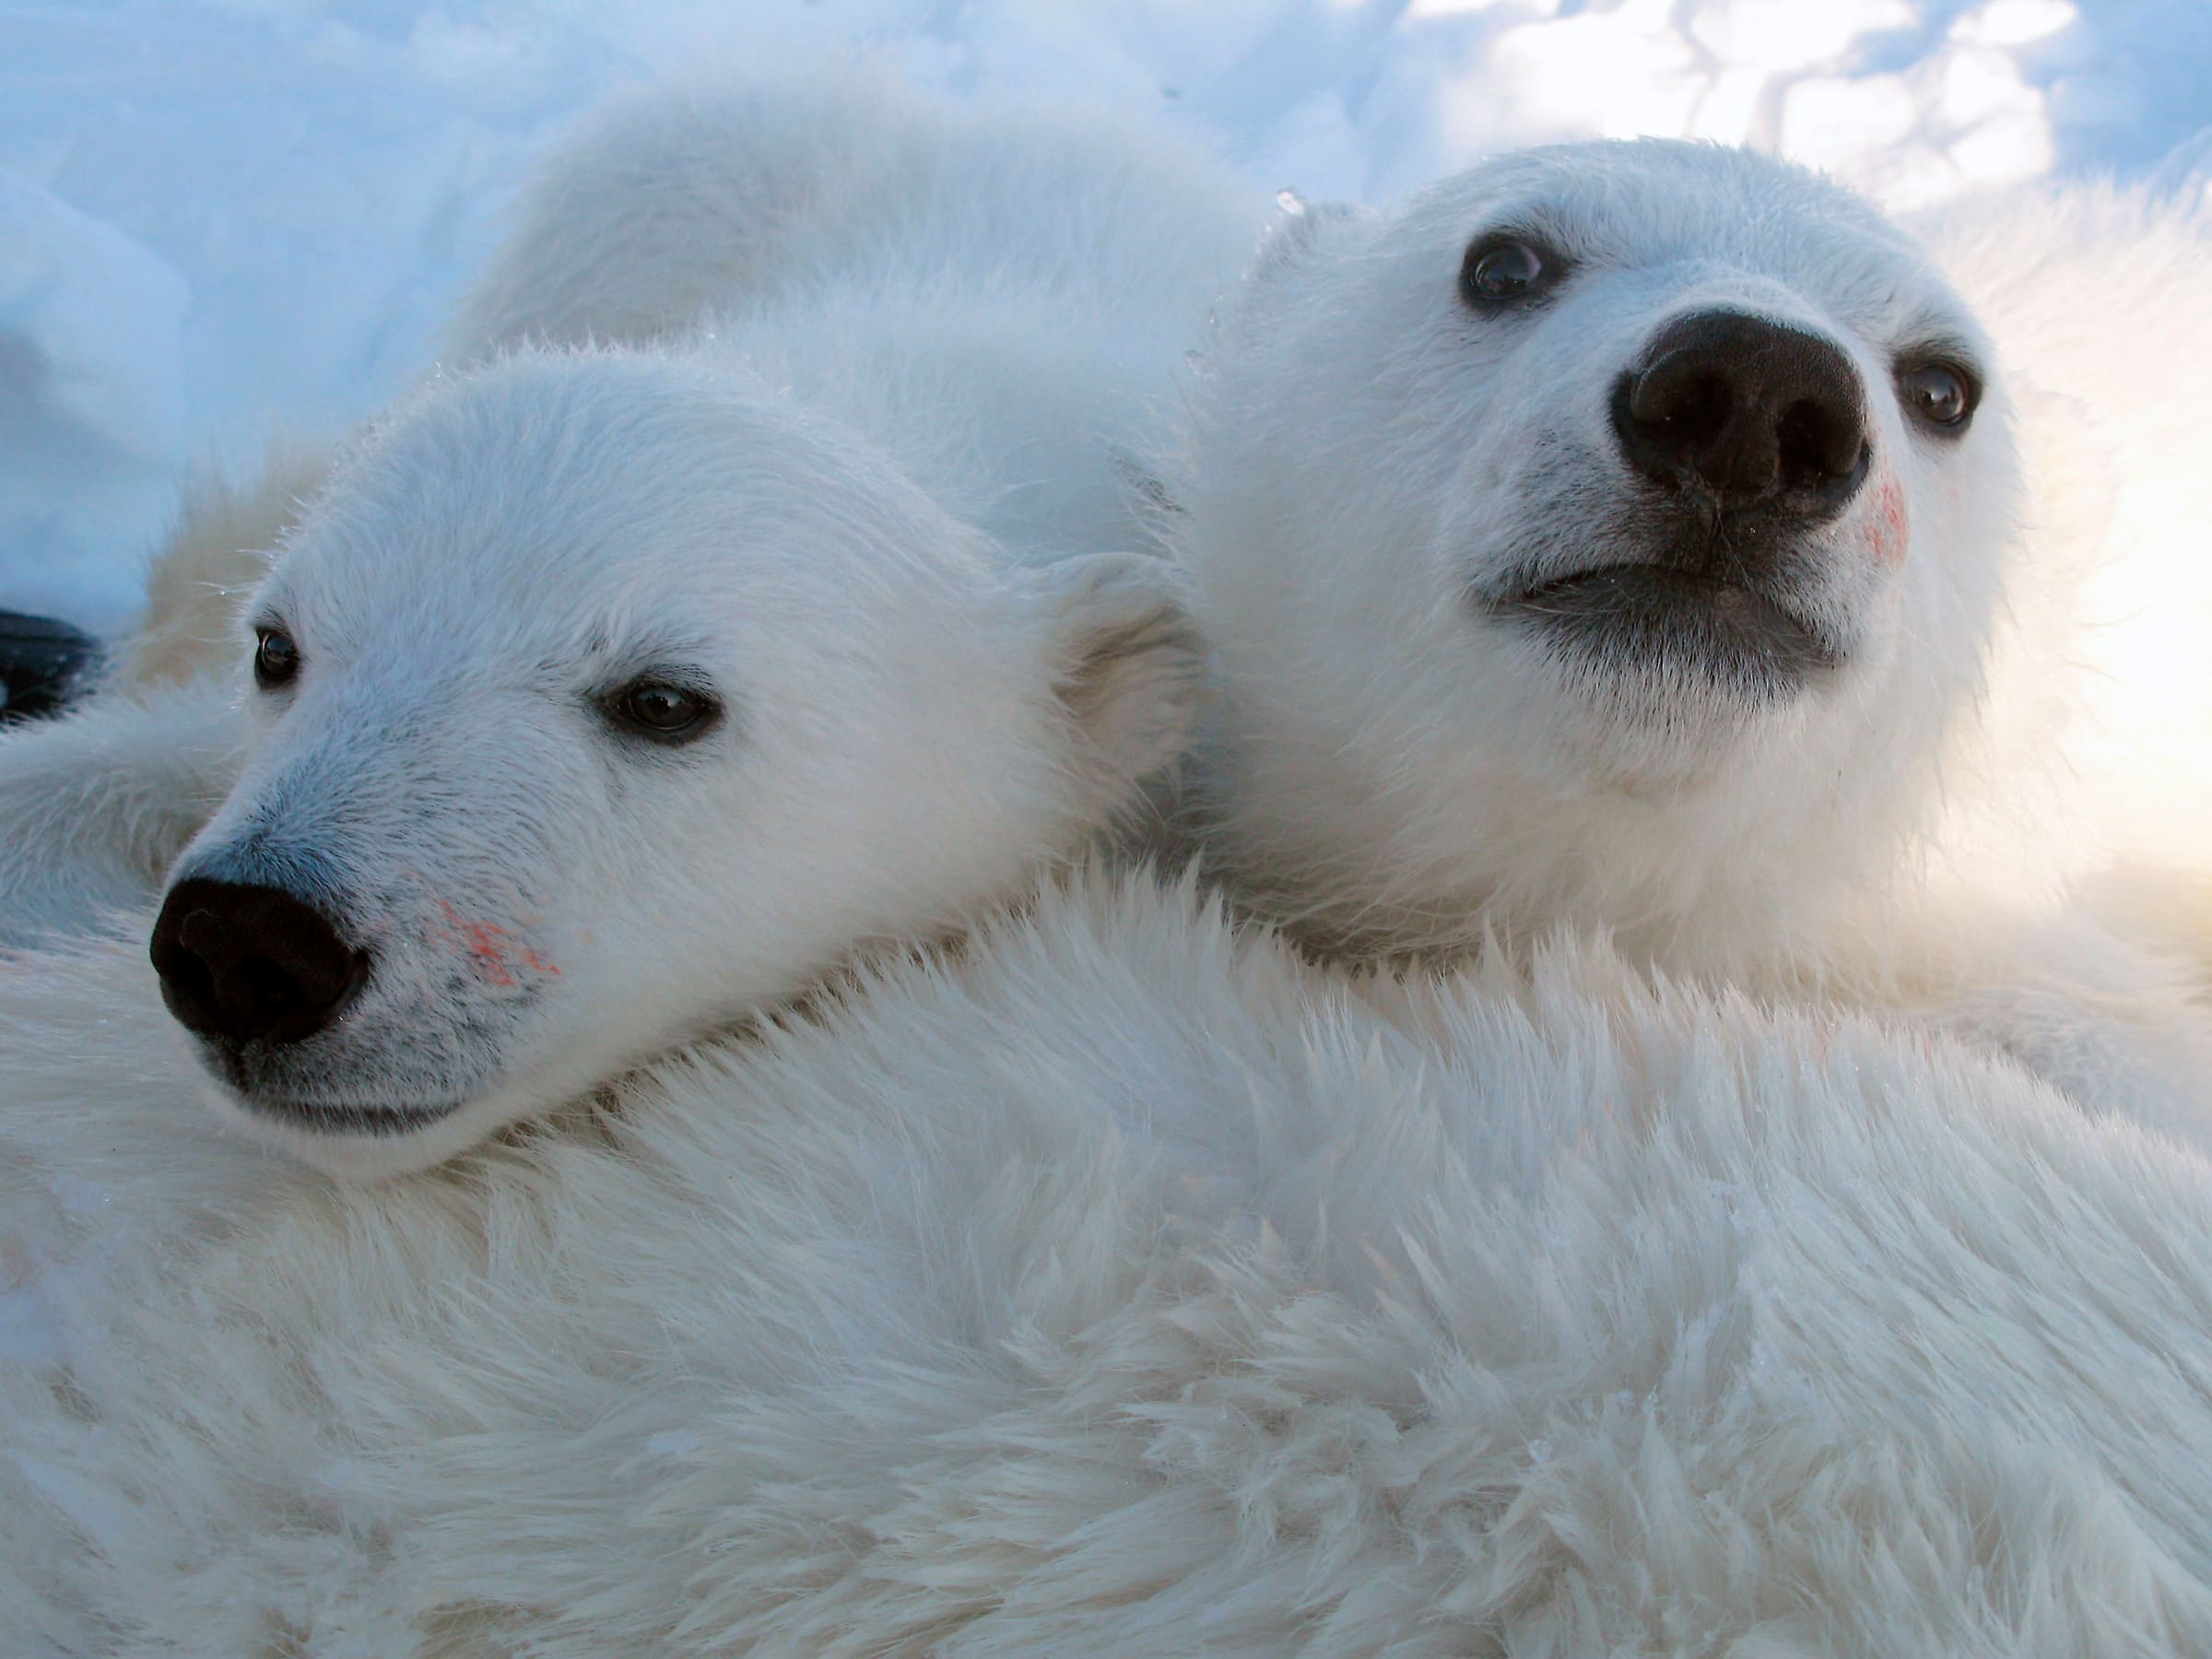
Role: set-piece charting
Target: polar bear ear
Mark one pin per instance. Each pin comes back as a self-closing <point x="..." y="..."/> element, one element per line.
<point x="1126" y="663"/>
<point x="1298" y="228"/>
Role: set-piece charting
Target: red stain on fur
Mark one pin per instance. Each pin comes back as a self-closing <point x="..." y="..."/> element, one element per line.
<point x="495" y="955"/>
<point x="1893" y="522"/>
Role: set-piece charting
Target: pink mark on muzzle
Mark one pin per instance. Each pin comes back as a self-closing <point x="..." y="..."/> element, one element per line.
<point x="1892" y="521"/>
<point x="496" y="957"/>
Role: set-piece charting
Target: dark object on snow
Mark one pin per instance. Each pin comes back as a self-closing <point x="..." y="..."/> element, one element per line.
<point x="41" y="662"/>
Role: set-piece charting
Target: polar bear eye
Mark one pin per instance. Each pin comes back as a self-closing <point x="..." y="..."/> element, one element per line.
<point x="1942" y="394"/>
<point x="276" y="659"/>
<point x="1503" y="271"/>
<point x="663" y="710"/>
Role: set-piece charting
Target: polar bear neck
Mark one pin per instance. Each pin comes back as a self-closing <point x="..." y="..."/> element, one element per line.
<point x="1710" y="881"/>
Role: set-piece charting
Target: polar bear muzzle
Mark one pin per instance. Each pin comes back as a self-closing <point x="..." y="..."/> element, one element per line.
<point x="1744" y="436"/>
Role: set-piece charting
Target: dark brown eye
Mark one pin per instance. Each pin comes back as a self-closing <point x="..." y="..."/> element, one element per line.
<point x="1939" y="394"/>
<point x="662" y="711"/>
<point x="1503" y="270"/>
<point x="276" y="659"/>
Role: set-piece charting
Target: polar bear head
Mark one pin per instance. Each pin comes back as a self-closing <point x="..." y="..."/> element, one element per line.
<point x="604" y="697"/>
<point x="1611" y="535"/>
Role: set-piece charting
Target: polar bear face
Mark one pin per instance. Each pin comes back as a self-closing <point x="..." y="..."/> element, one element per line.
<point x="601" y="701"/>
<point x="1611" y="535"/>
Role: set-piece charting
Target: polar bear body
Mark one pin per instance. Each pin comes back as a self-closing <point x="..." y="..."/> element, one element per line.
<point x="998" y="294"/>
<point x="1122" y="1285"/>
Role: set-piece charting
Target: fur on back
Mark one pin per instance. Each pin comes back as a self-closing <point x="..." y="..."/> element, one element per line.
<point x="999" y="293"/>
<point x="1120" y="1286"/>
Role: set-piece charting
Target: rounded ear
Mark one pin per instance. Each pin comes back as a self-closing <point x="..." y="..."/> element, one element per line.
<point x="1126" y="667"/>
<point x="1283" y="260"/>
<point x="1298" y="228"/>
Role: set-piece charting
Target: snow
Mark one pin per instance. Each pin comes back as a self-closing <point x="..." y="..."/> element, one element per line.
<point x="221" y="216"/>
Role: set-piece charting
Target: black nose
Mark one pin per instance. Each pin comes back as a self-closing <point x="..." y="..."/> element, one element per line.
<point x="1748" y="413"/>
<point x="246" y="962"/>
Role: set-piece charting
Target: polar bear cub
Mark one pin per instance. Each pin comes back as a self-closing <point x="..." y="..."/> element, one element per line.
<point x="750" y="596"/>
<point x="1613" y="535"/>
<point x="604" y="697"/>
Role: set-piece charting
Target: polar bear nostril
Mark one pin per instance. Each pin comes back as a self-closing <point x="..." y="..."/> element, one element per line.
<point x="251" y="964"/>
<point x="1747" y="412"/>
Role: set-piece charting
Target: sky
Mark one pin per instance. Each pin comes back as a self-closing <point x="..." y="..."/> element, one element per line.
<point x="224" y="218"/>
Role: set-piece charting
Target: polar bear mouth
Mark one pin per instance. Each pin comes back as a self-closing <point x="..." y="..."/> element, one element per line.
<point x="323" y="1117"/>
<point x="1632" y="617"/>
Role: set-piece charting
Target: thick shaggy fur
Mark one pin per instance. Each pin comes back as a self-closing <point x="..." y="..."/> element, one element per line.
<point x="1121" y="1286"/>
<point x="1378" y="473"/>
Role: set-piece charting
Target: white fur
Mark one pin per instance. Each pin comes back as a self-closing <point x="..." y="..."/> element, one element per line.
<point x="2101" y="300"/>
<point x="1394" y="769"/>
<point x="1122" y="1286"/>
<point x="1115" y="1285"/>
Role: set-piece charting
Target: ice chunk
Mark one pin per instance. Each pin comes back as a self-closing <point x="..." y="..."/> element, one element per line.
<point x="90" y="326"/>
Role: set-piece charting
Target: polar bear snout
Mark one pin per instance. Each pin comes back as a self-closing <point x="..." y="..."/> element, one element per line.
<point x="1743" y="438"/>
<point x="1740" y="415"/>
<point x="242" y="962"/>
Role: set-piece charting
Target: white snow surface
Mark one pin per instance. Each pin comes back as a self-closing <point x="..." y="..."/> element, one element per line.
<point x="218" y="216"/>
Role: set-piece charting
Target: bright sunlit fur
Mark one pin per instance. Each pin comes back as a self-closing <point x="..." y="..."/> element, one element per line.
<point x="2101" y="300"/>
<point x="1396" y="774"/>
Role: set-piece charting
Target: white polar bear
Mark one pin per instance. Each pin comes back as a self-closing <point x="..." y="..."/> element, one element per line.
<point x="993" y="296"/>
<point x="608" y="693"/>
<point x="604" y="698"/>
<point x="1634" y="537"/>
<point x="1118" y="1285"/>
